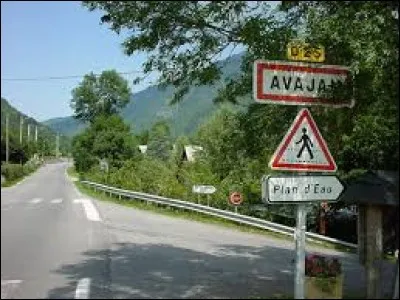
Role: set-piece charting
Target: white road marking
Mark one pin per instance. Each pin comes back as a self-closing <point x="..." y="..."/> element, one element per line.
<point x="7" y="287"/>
<point x="36" y="200"/>
<point x="83" y="289"/>
<point x="15" y="281"/>
<point x="56" y="201"/>
<point x="91" y="212"/>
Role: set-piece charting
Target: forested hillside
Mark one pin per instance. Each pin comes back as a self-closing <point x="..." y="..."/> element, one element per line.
<point x="152" y="104"/>
<point x="21" y="152"/>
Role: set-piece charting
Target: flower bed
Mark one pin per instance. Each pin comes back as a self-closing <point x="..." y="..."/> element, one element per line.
<point x="324" y="278"/>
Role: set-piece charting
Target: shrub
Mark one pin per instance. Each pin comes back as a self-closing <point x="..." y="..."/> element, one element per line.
<point x="12" y="171"/>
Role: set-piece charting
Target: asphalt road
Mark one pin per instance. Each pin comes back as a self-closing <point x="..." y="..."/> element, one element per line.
<point x="57" y="243"/>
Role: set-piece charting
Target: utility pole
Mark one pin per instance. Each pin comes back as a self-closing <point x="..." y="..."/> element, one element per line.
<point x="57" y="144"/>
<point x="29" y="131"/>
<point x="21" y="122"/>
<point x="7" y="142"/>
<point x="36" y="132"/>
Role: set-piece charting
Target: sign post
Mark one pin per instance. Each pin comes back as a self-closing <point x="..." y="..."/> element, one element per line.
<point x="302" y="149"/>
<point x="203" y="189"/>
<point x="236" y="198"/>
<point x="300" y="240"/>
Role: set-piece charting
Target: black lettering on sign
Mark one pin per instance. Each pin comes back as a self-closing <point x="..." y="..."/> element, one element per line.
<point x="311" y="87"/>
<point x="294" y="51"/>
<point x="321" y="86"/>
<point x="317" y="53"/>
<point x="287" y="83"/>
<point x="275" y="83"/>
<point x="307" y="52"/>
<point x="298" y="84"/>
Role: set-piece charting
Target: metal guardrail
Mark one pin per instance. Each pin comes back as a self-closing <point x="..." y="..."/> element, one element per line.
<point x="228" y="215"/>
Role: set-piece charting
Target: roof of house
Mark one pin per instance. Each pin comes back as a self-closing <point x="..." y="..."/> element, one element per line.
<point x="190" y="151"/>
<point x="373" y="187"/>
<point x="143" y="148"/>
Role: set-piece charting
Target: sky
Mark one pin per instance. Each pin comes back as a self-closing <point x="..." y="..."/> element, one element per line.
<point x="53" y="39"/>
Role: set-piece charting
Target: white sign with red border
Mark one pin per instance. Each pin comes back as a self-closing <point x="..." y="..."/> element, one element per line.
<point x="303" y="148"/>
<point x="295" y="83"/>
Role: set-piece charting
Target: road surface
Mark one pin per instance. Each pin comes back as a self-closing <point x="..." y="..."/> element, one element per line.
<point x="58" y="243"/>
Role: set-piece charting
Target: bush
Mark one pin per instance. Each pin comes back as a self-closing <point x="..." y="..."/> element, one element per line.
<point x="12" y="171"/>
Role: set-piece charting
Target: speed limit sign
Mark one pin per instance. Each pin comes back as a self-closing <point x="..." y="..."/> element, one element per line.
<point x="236" y="198"/>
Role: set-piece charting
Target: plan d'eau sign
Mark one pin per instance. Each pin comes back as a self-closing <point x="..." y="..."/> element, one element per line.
<point x="293" y="83"/>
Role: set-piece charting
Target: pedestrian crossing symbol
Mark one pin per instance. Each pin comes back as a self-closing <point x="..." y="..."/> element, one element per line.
<point x="303" y="148"/>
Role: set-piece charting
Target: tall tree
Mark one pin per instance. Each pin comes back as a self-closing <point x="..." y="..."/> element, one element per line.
<point x="106" y="94"/>
<point x="186" y="38"/>
<point x="160" y="141"/>
<point x="109" y="138"/>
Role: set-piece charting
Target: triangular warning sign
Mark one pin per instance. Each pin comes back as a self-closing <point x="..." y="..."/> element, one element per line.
<point x="303" y="148"/>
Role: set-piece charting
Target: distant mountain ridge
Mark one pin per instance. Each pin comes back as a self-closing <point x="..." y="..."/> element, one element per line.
<point x="152" y="104"/>
<point x="46" y="137"/>
<point x="14" y="117"/>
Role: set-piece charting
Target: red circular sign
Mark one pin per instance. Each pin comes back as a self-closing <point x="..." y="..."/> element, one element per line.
<point x="236" y="198"/>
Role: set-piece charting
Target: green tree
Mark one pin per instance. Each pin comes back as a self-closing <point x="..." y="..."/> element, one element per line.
<point x="160" y="141"/>
<point x="143" y="137"/>
<point x="186" y="38"/>
<point x="220" y="137"/>
<point x="107" y="138"/>
<point x="106" y="95"/>
<point x="367" y="135"/>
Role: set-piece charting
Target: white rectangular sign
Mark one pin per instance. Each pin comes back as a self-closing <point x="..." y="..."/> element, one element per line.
<point x="203" y="189"/>
<point x="293" y="83"/>
<point x="302" y="188"/>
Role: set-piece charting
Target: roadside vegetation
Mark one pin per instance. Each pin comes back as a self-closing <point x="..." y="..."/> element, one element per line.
<point x="238" y="143"/>
<point x="14" y="173"/>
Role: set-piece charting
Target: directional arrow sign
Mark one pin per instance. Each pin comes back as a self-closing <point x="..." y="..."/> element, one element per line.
<point x="203" y="189"/>
<point x="301" y="188"/>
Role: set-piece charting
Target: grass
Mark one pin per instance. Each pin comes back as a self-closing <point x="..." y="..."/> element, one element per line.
<point x="9" y="183"/>
<point x="191" y="215"/>
<point x="72" y="172"/>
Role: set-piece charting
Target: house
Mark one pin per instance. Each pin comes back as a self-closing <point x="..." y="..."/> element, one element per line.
<point x="143" y="148"/>
<point x="189" y="152"/>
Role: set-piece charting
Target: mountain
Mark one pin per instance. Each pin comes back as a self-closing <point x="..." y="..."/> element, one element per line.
<point x="46" y="136"/>
<point x="152" y="104"/>
<point x="14" y="116"/>
<point x="66" y="125"/>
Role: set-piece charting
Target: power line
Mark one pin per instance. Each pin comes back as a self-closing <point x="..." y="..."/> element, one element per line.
<point x="59" y="77"/>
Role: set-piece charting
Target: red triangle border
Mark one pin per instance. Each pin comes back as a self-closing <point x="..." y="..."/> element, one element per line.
<point x="275" y="161"/>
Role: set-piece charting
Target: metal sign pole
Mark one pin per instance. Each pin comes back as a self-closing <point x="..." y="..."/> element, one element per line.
<point x="300" y="240"/>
